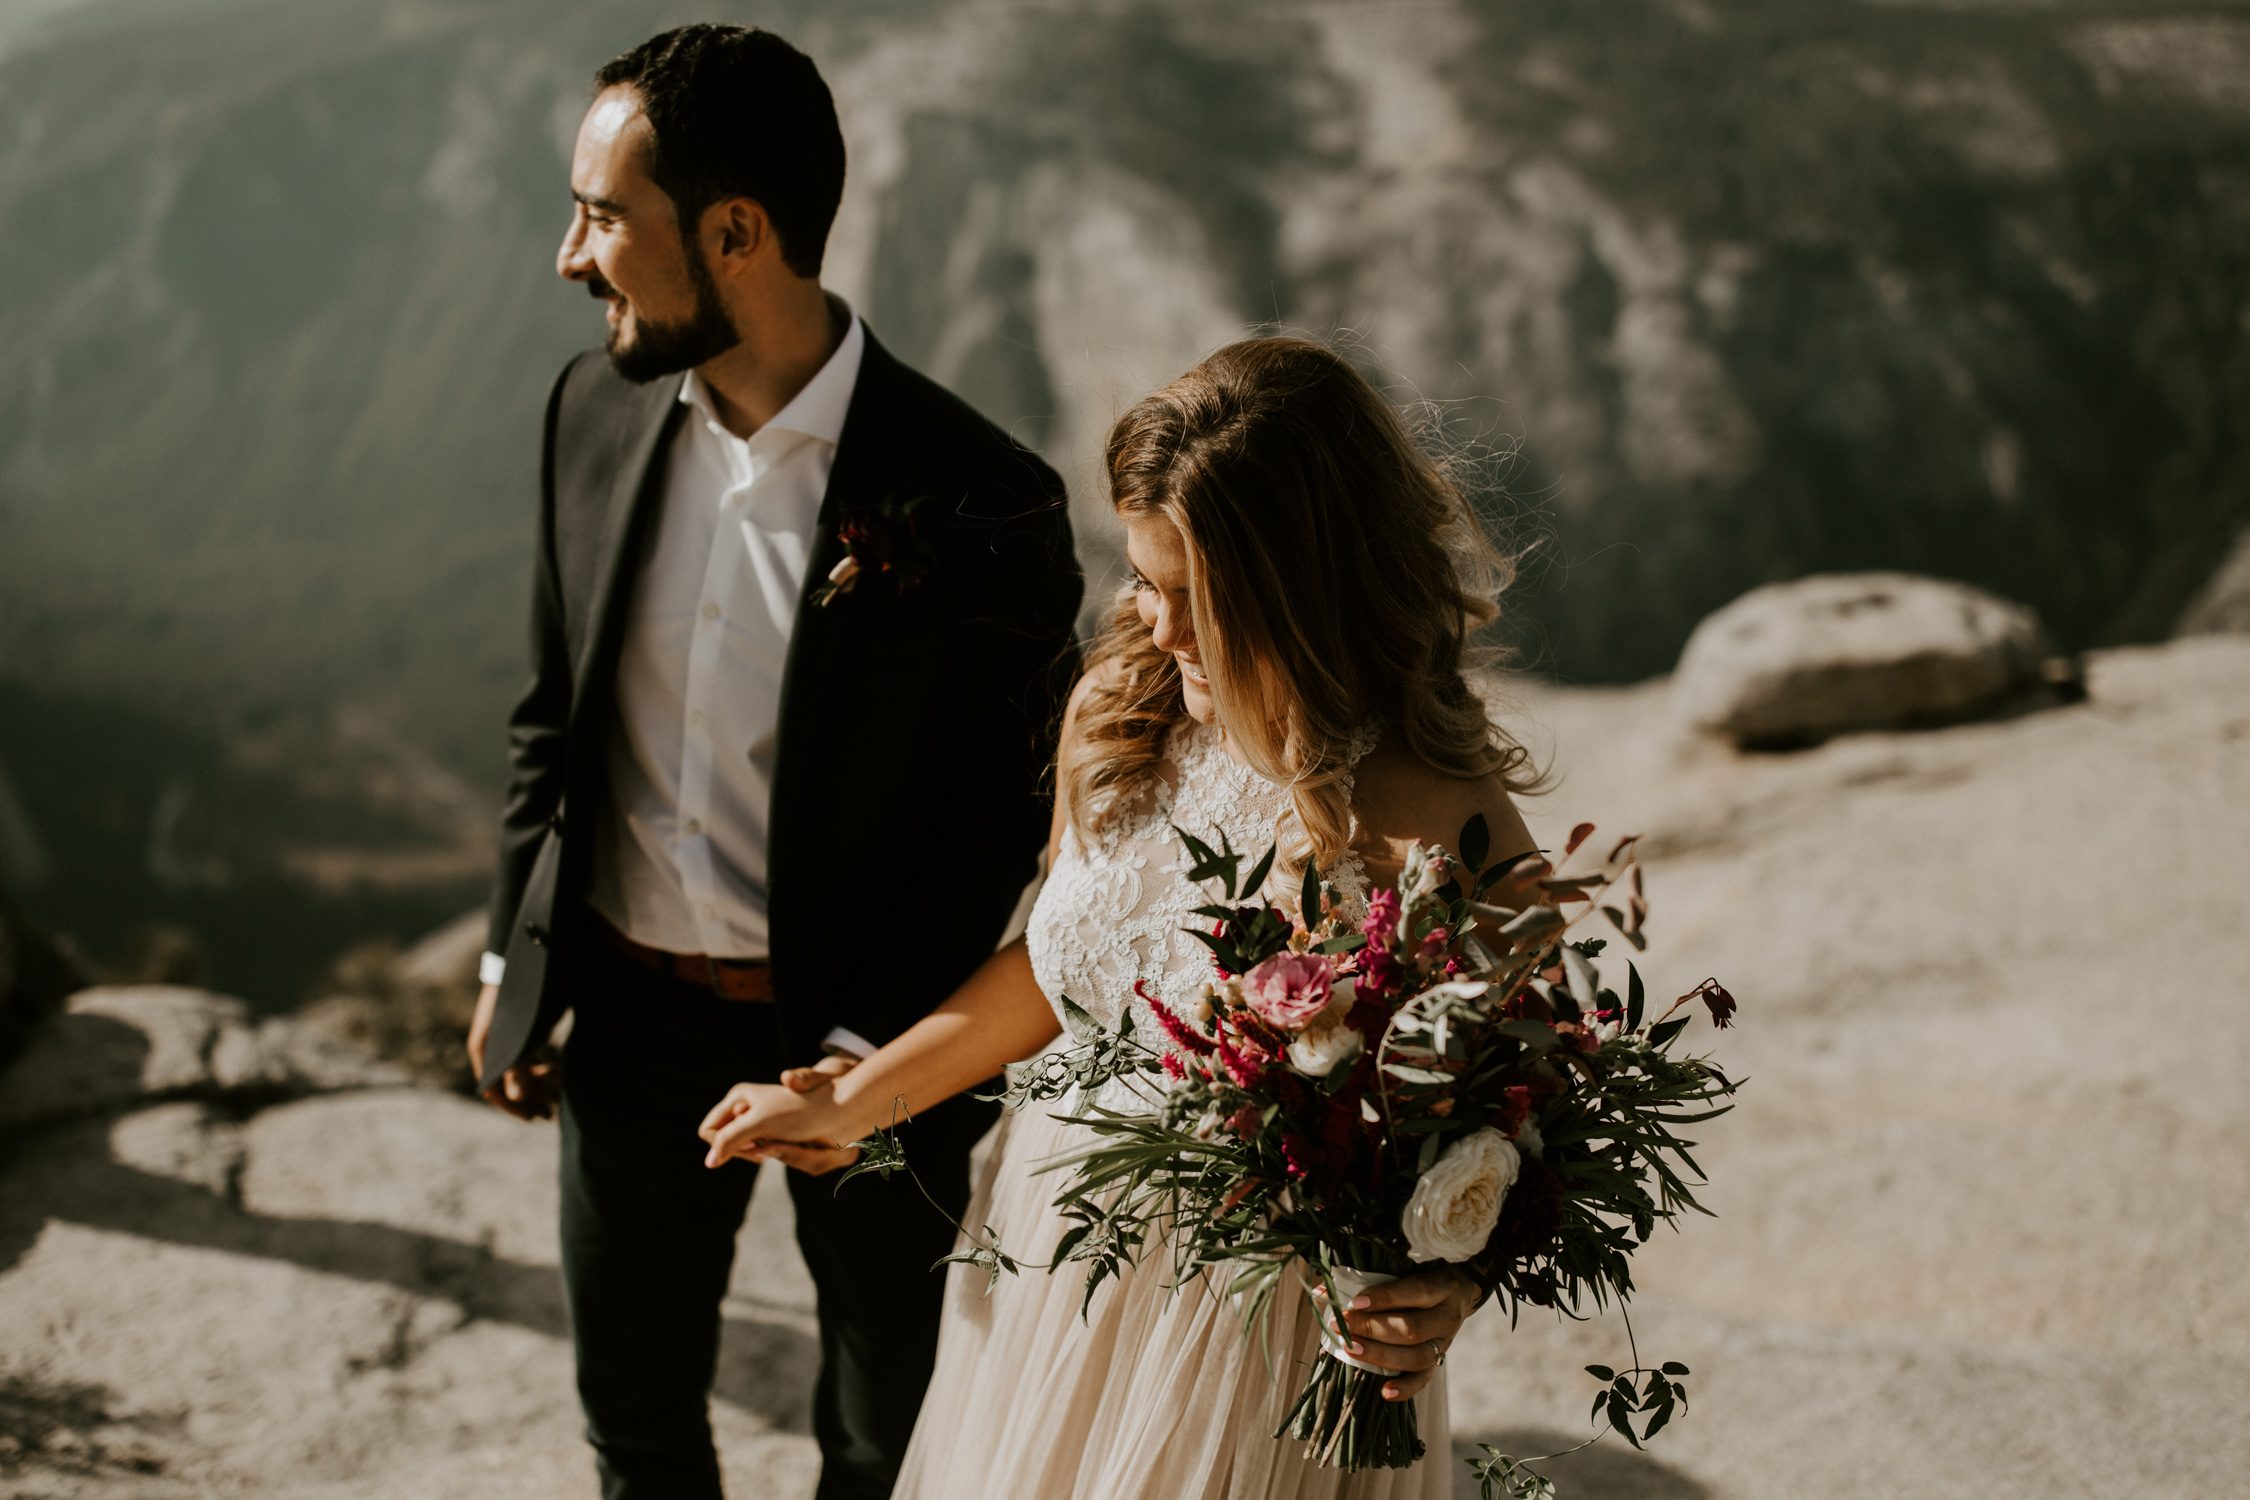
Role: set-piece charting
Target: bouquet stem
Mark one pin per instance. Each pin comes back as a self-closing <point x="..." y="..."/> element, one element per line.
<point x="1344" y="1422"/>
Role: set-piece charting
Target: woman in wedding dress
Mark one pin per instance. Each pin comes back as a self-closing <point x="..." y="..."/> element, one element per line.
<point x="1288" y="664"/>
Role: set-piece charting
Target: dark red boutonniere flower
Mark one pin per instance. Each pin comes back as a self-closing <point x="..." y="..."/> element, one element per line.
<point x="883" y="538"/>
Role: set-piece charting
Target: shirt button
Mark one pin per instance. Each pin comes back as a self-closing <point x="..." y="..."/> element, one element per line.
<point x="696" y="718"/>
<point x="710" y="611"/>
<point x="709" y="911"/>
<point x="695" y="825"/>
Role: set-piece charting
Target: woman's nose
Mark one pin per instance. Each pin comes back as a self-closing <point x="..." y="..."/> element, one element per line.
<point x="1173" y="632"/>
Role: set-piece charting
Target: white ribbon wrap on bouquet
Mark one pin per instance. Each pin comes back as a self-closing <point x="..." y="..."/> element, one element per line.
<point x="1349" y="1284"/>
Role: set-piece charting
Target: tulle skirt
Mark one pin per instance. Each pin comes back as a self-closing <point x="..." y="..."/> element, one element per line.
<point x="1156" y="1394"/>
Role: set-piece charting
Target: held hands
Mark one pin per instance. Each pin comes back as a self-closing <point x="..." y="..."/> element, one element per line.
<point x="1408" y="1324"/>
<point x="791" y="1122"/>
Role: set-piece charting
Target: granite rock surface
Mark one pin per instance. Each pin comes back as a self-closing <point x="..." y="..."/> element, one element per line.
<point x="1980" y="1214"/>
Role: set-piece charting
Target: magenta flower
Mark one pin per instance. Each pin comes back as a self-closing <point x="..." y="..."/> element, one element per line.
<point x="1185" y="1037"/>
<point x="1382" y="917"/>
<point x="1246" y="1071"/>
<point x="1289" y="989"/>
<point x="1379" y="973"/>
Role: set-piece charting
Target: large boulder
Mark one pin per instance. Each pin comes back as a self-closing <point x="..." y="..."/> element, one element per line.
<point x="1793" y="663"/>
<point x="118" y="1046"/>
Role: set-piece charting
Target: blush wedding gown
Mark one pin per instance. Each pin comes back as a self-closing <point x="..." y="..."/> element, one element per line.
<point x="1157" y="1393"/>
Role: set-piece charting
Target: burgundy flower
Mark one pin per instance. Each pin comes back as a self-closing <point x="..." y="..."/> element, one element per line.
<point x="1721" y="1004"/>
<point x="1577" y="1036"/>
<point x="1510" y="1111"/>
<point x="867" y="539"/>
<point x="1288" y="1090"/>
<point x="1379" y="972"/>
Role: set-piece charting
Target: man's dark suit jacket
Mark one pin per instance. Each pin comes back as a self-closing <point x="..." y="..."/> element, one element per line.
<point x="910" y="786"/>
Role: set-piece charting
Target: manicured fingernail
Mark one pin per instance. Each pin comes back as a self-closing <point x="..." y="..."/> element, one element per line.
<point x="1357" y="1349"/>
<point x="1390" y="1393"/>
<point x="1360" y="1302"/>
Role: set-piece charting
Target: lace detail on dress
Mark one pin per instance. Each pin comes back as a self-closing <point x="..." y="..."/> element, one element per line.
<point x="1109" y="918"/>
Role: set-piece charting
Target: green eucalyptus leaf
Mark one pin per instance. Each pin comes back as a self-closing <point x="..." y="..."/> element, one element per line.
<point x="1536" y="1035"/>
<point x="1083" y="1028"/>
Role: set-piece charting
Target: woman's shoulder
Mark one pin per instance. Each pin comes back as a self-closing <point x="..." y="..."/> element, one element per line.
<point x="1400" y="799"/>
<point x="1100" y="677"/>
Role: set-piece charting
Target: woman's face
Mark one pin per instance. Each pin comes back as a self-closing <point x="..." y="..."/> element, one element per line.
<point x="1159" y="559"/>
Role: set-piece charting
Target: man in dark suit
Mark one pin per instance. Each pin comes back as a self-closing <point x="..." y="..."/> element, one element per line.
<point x="800" y="635"/>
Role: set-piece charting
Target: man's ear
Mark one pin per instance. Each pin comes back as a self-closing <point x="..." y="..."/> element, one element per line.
<point x="737" y="231"/>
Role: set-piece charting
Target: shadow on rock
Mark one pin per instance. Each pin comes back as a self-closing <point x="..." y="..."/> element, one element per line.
<point x="68" y="1429"/>
<point x="1606" y="1471"/>
<point x="66" y="1172"/>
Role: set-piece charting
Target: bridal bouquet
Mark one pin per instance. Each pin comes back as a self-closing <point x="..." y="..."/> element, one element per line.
<point x="1446" y="1080"/>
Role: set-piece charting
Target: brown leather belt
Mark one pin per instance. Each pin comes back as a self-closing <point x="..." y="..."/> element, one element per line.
<point x="728" y="978"/>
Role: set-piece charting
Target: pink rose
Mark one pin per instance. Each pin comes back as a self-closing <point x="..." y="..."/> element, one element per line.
<point x="1289" y="989"/>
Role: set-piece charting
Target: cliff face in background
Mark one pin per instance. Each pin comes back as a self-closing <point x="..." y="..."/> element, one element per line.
<point x="1760" y="288"/>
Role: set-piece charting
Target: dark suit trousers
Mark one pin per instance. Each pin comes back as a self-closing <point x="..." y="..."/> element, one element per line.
<point x="648" y="1243"/>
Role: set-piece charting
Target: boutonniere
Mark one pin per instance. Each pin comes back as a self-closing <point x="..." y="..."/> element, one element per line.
<point x="883" y="538"/>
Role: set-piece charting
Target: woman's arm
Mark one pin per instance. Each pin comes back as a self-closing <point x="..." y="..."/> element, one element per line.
<point x="1407" y="1325"/>
<point x="1000" y="1016"/>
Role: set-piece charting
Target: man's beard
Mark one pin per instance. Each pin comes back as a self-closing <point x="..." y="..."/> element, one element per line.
<point x="660" y="349"/>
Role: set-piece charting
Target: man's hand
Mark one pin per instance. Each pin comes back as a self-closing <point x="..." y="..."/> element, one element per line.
<point x="531" y="1089"/>
<point x="793" y="1125"/>
<point x="819" y="1075"/>
<point x="1408" y="1324"/>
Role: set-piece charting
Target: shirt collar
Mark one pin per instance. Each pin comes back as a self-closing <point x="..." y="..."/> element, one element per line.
<point x="818" y="410"/>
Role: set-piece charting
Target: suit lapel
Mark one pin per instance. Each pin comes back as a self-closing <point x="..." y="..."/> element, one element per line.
<point x="646" y="426"/>
<point x="819" y="634"/>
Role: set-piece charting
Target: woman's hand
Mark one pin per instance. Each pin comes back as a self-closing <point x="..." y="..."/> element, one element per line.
<point x="796" y="1123"/>
<point x="1408" y="1324"/>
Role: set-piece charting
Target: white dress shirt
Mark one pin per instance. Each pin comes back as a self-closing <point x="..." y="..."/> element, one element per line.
<point x="680" y="849"/>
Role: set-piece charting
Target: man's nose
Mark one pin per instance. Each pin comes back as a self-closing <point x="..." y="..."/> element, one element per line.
<point x="572" y="263"/>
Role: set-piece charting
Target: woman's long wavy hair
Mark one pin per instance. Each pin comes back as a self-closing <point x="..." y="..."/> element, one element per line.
<point x="1335" y="576"/>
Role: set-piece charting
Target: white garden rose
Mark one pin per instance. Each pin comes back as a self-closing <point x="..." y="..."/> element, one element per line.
<point x="1458" y="1200"/>
<point x="1317" y="1052"/>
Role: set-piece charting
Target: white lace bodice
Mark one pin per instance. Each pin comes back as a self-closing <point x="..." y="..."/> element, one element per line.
<point x="1112" y="910"/>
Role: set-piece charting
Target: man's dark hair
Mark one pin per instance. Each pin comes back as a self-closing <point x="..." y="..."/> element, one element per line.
<point x="738" y="112"/>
